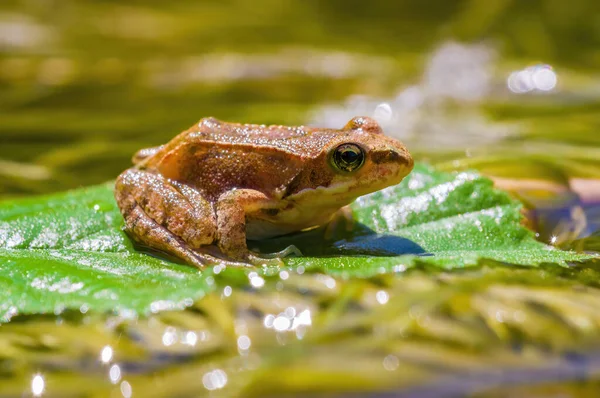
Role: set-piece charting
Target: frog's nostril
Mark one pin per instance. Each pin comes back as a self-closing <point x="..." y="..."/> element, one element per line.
<point x="394" y="156"/>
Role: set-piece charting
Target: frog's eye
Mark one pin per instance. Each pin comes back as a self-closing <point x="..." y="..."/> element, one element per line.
<point x="348" y="157"/>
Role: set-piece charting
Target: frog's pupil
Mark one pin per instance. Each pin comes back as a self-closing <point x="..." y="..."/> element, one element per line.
<point x="349" y="156"/>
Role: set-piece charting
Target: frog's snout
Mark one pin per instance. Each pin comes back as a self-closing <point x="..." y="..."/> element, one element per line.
<point x="400" y="157"/>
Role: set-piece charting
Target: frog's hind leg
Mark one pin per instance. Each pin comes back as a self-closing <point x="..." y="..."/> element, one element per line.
<point x="145" y="231"/>
<point x="167" y="216"/>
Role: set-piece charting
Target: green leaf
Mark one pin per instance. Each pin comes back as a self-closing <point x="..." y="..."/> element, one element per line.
<point x="67" y="251"/>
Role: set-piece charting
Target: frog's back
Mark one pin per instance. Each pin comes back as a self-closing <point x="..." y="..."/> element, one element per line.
<point x="300" y="141"/>
<point x="215" y="156"/>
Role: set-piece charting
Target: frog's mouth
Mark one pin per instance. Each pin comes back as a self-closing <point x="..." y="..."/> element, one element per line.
<point x="343" y="192"/>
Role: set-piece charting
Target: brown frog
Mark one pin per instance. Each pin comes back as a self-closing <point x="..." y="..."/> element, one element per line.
<point x="221" y="183"/>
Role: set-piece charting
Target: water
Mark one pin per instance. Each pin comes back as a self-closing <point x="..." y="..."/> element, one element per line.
<point x="508" y="88"/>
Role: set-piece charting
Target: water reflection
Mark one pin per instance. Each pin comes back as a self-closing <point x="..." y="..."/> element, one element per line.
<point x="538" y="77"/>
<point x="383" y="113"/>
<point x="214" y="380"/>
<point x="169" y="336"/>
<point x="281" y="323"/>
<point x="288" y="320"/>
<point x="382" y="297"/>
<point x="255" y="280"/>
<point x="114" y="374"/>
<point x="37" y="385"/>
<point x="106" y="354"/>
<point x="391" y="362"/>
<point x="327" y="280"/>
<point x="126" y="389"/>
<point x="243" y="343"/>
<point x="190" y="338"/>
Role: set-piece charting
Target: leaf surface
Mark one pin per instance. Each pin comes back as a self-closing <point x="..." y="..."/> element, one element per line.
<point x="67" y="251"/>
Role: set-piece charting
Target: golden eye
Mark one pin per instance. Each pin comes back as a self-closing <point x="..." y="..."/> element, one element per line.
<point x="348" y="157"/>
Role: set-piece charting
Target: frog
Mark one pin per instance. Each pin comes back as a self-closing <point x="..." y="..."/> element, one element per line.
<point x="204" y="194"/>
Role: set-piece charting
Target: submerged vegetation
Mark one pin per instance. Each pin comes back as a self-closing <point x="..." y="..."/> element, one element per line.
<point x="427" y="330"/>
<point x="85" y="84"/>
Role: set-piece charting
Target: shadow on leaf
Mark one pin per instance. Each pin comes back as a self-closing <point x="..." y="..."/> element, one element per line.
<point x="361" y="240"/>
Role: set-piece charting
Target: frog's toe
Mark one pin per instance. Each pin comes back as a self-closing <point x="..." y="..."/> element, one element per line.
<point x="264" y="261"/>
<point x="291" y="250"/>
<point x="274" y="259"/>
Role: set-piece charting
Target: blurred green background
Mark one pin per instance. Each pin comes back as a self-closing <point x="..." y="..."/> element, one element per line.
<point x="84" y="84"/>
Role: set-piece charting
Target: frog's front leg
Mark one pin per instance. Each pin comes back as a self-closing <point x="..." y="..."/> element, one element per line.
<point x="232" y="208"/>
